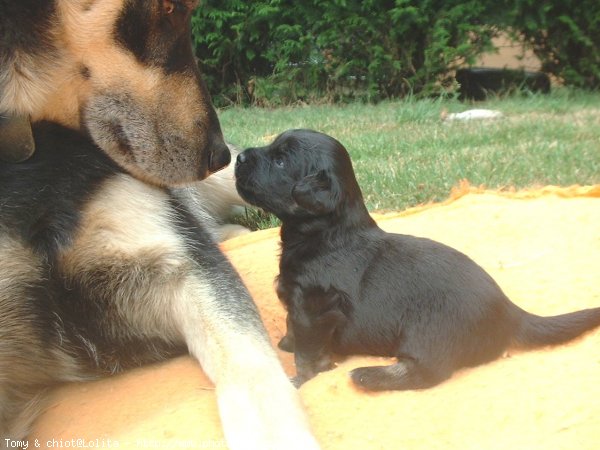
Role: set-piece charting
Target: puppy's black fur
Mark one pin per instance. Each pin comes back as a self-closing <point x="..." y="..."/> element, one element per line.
<point x="351" y="288"/>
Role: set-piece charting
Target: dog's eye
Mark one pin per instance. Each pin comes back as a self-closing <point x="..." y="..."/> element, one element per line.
<point x="278" y="161"/>
<point x="179" y="6"/>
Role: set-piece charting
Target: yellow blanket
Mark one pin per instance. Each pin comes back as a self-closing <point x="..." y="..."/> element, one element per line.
<point x="543" y="249"/>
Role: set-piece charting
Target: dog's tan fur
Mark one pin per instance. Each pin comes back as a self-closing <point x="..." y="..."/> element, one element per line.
<point x="125" y="248"/>
<point x="52" y="87"/>
<point x="88" y="80"/>
<point x="127" y="252"/>
<point x="20" y="358"/>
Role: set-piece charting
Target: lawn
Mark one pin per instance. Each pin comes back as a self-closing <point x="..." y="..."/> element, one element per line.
<point x="405" y="155"/>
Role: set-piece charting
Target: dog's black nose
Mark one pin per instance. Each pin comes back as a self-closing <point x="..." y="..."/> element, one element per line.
<point x="219" y="157"/>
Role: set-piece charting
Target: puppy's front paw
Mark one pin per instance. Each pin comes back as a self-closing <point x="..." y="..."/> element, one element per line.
<point x="286" y="344"/>
<point x="298" y="381"/>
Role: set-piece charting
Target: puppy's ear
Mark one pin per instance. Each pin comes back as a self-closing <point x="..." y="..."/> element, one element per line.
<point x="16" y="139"/>
<point x="317" y="193"/>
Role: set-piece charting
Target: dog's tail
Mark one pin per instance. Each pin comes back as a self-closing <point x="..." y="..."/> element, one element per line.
<point x="536" y="331"/>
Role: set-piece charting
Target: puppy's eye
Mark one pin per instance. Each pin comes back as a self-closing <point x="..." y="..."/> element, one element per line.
<point x="278" y="161"/>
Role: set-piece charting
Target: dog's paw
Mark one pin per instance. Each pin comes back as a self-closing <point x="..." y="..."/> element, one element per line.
<point x="229" y="231"/>
<point x="369" y="378"/>
<point x="265" y="414"/>
<point x="400" y="376"/>
<point x="286" y="344"/>
<point x="298" y="381"/>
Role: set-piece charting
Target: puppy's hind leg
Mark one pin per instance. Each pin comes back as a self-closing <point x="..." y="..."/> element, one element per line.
<point x="406" y="374"/>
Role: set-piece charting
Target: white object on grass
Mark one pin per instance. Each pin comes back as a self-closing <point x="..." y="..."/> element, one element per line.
<point x="473" y="114"/>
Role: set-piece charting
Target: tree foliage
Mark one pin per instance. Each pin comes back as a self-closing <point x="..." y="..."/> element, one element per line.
<point x="281" y="51"/>
<point x="564" y="35"/>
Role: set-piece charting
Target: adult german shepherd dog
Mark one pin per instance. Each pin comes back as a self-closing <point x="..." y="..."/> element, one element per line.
<point x="103" y="268"/>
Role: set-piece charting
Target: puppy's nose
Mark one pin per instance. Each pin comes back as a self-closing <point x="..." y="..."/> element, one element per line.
<point x="241" y="158"/>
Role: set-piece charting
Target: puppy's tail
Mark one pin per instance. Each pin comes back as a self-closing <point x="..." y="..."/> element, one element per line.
<point x="536" y="331"/>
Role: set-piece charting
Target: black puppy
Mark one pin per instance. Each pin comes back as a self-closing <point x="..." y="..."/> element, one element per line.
<point x="351" y="288"/>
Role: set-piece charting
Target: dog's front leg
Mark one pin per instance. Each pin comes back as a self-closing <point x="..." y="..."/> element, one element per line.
<point x="162" y="277"/>
<point x="259" y="407"/>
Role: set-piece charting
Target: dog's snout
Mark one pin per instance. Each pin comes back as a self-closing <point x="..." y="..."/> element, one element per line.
<point x="219" y="157"/>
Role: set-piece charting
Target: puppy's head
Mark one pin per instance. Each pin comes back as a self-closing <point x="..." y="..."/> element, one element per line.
<point x="303" y="173"/>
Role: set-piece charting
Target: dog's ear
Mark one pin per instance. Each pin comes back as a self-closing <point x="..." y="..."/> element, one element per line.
<point x="318" y="193"/>
<point x="16" y="139"/>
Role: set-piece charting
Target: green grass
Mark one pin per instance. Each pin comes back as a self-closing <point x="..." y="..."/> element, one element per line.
<point x="404" y="155"/>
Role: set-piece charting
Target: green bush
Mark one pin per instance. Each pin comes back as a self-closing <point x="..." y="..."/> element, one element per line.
<point x="564" y="35"/>
<point x="392" y="49"/>
<point x="280" y="51"/>
<point x="229" y="38"/>
<point x="272" y="52"/>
